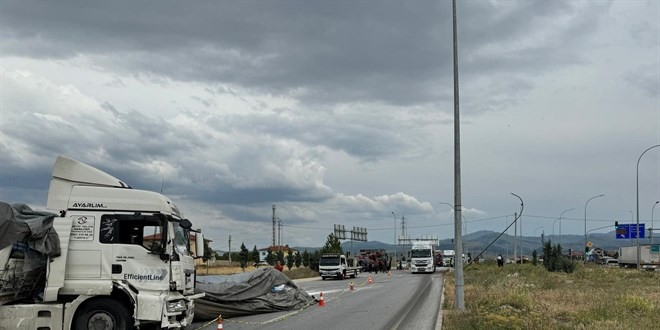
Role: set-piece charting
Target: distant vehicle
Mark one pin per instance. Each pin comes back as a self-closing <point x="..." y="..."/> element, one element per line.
<point x="261" y="264"/>
<point x="612" y="262"/>
<point x="422" y="255"/>
<point x="336" y="265"/>
<point x="649" y="256"/>
<point x="438" y="258"/>
<point x="604" y="260"/>
<point x="447" y="257"/>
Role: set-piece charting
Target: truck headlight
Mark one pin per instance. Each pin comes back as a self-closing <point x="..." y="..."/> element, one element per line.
<point x="176" y="306"/>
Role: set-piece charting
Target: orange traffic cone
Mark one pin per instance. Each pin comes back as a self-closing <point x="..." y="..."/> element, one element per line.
<point x="220" y="322"/>
<point x="370" y="280"/>
<point x="351" y="286"/>
<point x="321" y="301"/>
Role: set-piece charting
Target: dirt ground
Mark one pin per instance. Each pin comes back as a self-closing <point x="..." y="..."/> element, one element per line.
<point x="222" y="270"/>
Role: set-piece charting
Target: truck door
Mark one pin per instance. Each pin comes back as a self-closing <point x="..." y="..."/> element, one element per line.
<point x="137" y="242"/>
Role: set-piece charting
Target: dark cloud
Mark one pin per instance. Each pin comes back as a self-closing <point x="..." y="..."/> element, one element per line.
<point x="325" y="52"/>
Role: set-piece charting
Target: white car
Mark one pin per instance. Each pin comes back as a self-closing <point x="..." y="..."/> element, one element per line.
<point x="261" y="264"/>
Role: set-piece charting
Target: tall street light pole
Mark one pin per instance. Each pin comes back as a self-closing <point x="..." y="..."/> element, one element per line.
<point x="561" y="216"/>
<point x="585" y="225"/>
<point x="652" y="227"/>
<point x="516" y="217"/>
<point x="395" y="244"/>
<point x="458" y="239"/>
<point x="639" y="251"/>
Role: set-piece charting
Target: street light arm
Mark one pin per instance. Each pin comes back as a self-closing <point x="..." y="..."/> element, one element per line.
<point x="561" y="216"/>
<point x="603" y="227"/>
<point x="585" y="223"/>
<point x="637" y="199"/>
<point x="522" y="206"/>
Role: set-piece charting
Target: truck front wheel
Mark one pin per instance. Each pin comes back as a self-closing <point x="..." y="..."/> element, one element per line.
<point x="103" y="314"/>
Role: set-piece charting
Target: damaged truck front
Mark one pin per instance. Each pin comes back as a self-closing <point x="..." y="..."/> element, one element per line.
<point x="103" y="256"/>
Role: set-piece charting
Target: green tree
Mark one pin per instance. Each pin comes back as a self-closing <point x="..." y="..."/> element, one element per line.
<point x="270" y="257"/>
<point x="332" y="245"/>
<point x="554" y="261"/>
<point x="314" y="260"/>
<point x="255" y="255"/>
<point x="298" y="260"/>
<point x="243" y="256"/>
<point x="280" y="257"/>
<point x="208" y="253"/>
<point x="305" y="258"/>
<point x="289" y="259"/>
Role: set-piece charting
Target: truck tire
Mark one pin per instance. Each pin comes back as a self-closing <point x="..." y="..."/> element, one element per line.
<point x="103" y="314"/>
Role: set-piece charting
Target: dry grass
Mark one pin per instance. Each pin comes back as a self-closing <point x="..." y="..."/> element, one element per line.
<point x="293" y="273"/>
<point x="529" y="297"/>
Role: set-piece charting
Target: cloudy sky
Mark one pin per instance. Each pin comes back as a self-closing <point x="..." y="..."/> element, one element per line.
<point x="340" y="112"/>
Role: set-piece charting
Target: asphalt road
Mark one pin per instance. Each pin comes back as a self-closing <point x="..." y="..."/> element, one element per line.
<point x="398" y="301"/>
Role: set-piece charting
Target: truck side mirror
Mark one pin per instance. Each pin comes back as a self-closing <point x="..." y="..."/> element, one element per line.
<point x="199" y="244"/>
<point x="185" y="224"/>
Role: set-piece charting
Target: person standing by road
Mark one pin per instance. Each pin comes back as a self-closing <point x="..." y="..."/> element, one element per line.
<point x="500" y="260"/>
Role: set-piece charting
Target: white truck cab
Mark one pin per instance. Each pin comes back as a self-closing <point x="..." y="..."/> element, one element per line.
<point x="422" y="256"/>
<point x="125" y="258"/>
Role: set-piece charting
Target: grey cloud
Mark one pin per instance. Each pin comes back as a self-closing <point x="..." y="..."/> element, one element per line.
<point x="646" y="78"/>
<point x="393" y="52"/>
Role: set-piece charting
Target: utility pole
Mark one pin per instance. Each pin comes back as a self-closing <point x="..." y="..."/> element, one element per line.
<point x="458" y="225"/>
<point x="515" y="237"/>
<point x="229" y="250"/>
<point x="279" y="234"/>
<point x="273" y="225"/>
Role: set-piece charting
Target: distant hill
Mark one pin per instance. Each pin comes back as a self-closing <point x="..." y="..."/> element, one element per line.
<point x="478" y="241"/>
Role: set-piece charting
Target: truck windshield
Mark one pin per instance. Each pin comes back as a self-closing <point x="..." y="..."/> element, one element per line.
<point x="420" y="253"/>
<point x="180" y="239"/>
<point x="329" y="261"/>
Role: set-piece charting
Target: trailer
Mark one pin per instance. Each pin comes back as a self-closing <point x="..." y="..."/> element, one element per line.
<point x="649" y="256"/>
<point x="102" y="256"/>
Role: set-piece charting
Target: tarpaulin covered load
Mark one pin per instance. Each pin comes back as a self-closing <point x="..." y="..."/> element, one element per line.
<point x="19" y="223"/>
<point x="261" y="291"/>
<point x="26" y="238"/>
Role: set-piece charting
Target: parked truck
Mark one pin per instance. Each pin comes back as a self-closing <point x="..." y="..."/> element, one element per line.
<point x="448" y="258"/>
<point x="649" y="256"/>
<point x="336" y="265"/>
<point x="422" y="255"/>
<point x="102" y="256"/>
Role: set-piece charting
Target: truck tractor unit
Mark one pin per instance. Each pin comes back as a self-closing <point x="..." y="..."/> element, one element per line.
<point x="102" y="256"/>
<point x="422" y="255"/>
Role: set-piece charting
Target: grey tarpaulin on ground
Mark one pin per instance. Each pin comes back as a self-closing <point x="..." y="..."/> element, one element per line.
<point x="260" y="291"/>
<point x="19" y="223"/>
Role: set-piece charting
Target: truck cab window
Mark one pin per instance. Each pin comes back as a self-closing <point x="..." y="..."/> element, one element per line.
<point x="145" y="231"/>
